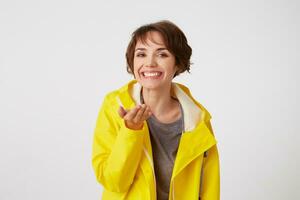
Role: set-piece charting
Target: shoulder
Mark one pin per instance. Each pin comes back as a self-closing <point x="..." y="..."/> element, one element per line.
<point x="112" y="95"/>
<point x="205" y="113"/>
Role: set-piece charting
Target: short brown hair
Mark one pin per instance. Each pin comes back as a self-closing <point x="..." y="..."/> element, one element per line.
<point x="173" y="38"/>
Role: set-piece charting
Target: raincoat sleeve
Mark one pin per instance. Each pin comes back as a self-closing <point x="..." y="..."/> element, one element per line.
<point x="116" y="150"/>
<point x="211" y="173"/>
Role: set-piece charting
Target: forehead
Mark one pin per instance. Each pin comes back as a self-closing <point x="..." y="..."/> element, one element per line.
<point x="151" y="39"/>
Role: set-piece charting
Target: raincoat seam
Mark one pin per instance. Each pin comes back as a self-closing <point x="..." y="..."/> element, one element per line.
<point x="152" y="167"/>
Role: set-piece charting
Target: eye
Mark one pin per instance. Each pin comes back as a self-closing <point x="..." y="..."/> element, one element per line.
<point x="163" y="55"/>
<point x="140" y="55"/>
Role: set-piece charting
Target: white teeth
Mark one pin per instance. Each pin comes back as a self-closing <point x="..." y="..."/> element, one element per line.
<point x="151" y="74"/>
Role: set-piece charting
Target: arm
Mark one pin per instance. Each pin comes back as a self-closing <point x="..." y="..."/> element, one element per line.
<point x="211" y="173"/>
<point x="116" y="151"/>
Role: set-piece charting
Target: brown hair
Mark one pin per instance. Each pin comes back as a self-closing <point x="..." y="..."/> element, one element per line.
<point x="173" y="38"/>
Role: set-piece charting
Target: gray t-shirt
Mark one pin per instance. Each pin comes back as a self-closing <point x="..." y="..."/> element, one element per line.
<point x="164" y="140"/>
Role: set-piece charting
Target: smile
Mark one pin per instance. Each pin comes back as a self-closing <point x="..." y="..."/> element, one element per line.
<point x="151" y="74"/>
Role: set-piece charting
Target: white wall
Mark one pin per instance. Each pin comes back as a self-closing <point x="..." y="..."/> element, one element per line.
<point x="59" y="58"/>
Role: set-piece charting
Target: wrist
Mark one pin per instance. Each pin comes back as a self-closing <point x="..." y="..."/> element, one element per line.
<point x="134" y="126"/>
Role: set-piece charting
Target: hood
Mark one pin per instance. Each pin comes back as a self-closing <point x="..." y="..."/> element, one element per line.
<point x="193" y="111"/>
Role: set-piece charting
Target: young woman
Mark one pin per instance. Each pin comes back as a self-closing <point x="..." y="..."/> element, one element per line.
<point x="153" y="140"/>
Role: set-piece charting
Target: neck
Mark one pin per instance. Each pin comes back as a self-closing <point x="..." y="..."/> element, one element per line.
<point x="159" y="100"/>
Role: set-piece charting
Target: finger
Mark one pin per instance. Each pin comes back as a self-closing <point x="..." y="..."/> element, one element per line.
<point x="122" y="112"/>
<point x="139" y="115"/>
<point x="147" y="113"/>
<point x="132" y="113"/>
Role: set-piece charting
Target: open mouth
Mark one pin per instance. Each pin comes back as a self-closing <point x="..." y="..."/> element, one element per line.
<point x="152" y="75"/>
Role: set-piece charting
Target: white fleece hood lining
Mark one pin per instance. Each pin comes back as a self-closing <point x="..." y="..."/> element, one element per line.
<point x="191" y="112"/>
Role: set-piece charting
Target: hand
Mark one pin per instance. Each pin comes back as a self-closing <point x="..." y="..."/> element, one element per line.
<point x="134" y="118"/>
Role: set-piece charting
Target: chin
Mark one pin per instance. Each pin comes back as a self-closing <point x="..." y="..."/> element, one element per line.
<point x="151" y="84"/>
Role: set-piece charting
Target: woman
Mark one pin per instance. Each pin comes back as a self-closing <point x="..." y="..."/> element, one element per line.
<point x="152" y="139"/>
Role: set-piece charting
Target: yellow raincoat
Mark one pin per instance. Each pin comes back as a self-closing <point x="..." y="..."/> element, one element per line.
<point x="122" y="158"/>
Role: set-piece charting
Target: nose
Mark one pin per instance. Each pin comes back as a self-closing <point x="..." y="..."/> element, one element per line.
<point x="151" y="61"/>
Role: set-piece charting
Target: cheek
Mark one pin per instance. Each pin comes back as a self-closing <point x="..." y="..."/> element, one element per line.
<point x="135" y="70"/>
<point x="134" y="65"/>
<point x="171" y="68"/>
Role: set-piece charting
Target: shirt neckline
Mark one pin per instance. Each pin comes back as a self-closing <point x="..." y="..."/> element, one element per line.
<point x="155" y="120"/>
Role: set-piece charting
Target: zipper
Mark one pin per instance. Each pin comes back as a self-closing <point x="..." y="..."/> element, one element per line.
<point x="152" y="167"/>
<point x="173" y="185"/>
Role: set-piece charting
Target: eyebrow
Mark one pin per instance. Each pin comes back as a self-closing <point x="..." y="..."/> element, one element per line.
<point x="142" y="49"/>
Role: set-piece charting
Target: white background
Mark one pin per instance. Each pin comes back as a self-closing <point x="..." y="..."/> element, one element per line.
<point x="59" y="58"/>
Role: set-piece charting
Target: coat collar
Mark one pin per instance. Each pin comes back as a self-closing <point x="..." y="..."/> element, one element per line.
<point x="196" y="137"/>
<point x="193" y="112"/>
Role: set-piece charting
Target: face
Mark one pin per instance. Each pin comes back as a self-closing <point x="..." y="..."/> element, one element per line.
<point x="154" y="66"/>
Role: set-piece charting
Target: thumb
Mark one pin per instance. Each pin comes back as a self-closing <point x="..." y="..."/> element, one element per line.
<point x="122" y="112"/>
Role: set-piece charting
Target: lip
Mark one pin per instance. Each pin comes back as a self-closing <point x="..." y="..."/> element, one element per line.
<point x="151" y="77"/>
<point x="152" y="71"/>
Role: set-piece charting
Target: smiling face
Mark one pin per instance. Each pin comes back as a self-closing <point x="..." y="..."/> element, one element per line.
<point x="154" y="65"/>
